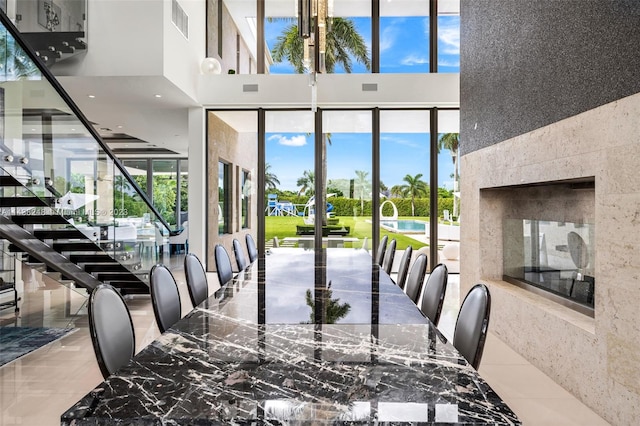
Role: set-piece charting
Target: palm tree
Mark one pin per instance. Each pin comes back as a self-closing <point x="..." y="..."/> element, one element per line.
<point x="414" y="187"/>
<point x="396" y="191"/>
<point x="451" y="141"/>
<point x="306" y="182"/>
<point x="14" y="61"/>
<point x="343" y="44"/>
<point x="362" y="184"/>
<point x="270" y="179"/>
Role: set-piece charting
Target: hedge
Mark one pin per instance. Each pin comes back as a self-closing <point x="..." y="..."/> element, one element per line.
<point x="351" y="207"/>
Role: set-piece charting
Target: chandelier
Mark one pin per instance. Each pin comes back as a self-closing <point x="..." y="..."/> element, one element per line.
<point x="314" y="22"/>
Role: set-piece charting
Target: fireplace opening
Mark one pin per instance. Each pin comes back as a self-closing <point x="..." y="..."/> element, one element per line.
<point x="549" y="241"/>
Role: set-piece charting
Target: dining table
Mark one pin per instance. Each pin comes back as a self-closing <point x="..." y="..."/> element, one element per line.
<point x="301" y="336"/>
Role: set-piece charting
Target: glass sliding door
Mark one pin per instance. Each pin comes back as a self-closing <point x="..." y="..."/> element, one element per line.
<point x="165" y="189"/>
<point x="449" y="187"/>
<point x="404" y="175"/>
<point x="348" y="185"/>
<point x="289" y="179"/>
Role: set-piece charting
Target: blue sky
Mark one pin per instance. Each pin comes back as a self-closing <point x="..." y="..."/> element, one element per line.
<point x="404" y="45"/>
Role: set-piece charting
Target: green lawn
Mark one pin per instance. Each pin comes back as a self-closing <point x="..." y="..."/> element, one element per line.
<point x="285" y="226"/>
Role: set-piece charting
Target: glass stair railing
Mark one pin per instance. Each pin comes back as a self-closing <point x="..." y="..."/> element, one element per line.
<point x="63" y="194"/>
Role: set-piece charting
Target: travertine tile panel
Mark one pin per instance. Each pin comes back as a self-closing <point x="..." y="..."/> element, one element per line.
<point x="623" y="361"/>
<point x="622" y="166"/>
<point x="597" y="358"/>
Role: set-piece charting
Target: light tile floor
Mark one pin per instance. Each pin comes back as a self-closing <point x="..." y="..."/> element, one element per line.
<point x="37" y="388"/>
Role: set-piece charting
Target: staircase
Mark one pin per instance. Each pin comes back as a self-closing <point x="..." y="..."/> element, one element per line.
<point x="34" y="227"/>
<point x="53" y="47"/>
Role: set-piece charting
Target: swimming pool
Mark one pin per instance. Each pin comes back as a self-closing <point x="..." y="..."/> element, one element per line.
<point x="405" y="226"/>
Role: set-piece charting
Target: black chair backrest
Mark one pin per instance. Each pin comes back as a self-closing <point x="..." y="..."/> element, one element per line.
<point x="381" y="249"/>
<point x="165" y="297"/>
<point x="433" y="294"/>
<point x="416" y="278"/>
<point x="223" y="265"/>
<point x="390" y="252"/>
<point x="111" y="329"/>
<point x="472" y="324"/>
<point x="196" y="279"/>
<point x="403" y="267"/>
<point x="251" y="248"/>
<point x="239" y="254"/>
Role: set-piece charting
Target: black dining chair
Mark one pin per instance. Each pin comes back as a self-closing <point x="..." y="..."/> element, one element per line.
<point x="197" y="283"/>
<point x="472" y="324"/>
<point x="111" y="329"/>
<point x="434" y="292"/>
<point x="241" y="261"/>
<point x="223" y="265"/>
<point x="381" y="249"/>
<point x="403" y="267"/>
<point x="251" y="248"/>
<point x="390" y="252"/>
<point x="165" y="297"/>
<point x="416" y="278"/>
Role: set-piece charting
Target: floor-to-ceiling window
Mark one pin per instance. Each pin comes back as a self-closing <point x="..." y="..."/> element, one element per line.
<point x="404" y="37"/>
<point x="398" y="37"/>
<point x="348" y="185"/>
<point x="404" y="172"/>
<point x="348" y="201"/>
<point x="345" y="48"/>
<point x="289" y="178"/>
<point x="166" y="181"/>
<point x="449" y="187"/>
<point x="449" y="36"/>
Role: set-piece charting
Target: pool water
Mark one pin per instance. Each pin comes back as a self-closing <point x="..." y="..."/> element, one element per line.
<point x="401" y="225"/>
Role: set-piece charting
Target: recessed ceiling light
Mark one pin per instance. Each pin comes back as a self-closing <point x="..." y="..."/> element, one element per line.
<point x="73" y="130"/>
<point x="119" y="126"/>
<point x="91" y="96"/>
<point x="157" y="96"/>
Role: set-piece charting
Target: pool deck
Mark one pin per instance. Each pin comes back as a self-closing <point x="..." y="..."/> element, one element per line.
<point x="453" y="265"/>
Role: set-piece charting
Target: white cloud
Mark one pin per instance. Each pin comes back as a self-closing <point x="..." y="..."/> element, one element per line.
<point x="399" y="141"/>
<point x="414" y="60"/>
<point x="388" y="38"/>
<point x="450" y="37"/>
<point x="445" y="63"/>
<point x="298" y="140"/>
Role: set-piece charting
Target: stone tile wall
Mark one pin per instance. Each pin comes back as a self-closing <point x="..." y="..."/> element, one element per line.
<point x="596" y="359"/>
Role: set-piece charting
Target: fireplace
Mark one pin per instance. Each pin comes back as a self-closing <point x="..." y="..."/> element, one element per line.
<point x="548" y="240"/>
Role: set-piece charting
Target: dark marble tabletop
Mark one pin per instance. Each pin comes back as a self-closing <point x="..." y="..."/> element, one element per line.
<point x="290" y="343"/>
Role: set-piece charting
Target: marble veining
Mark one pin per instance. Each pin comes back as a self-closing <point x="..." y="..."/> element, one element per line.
<point x="216" y="367"/>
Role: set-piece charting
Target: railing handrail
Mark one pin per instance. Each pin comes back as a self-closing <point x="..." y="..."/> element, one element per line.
<point x="76" y="110"/>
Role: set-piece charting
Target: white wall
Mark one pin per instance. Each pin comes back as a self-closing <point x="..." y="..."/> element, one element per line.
<point x="182" y="56"/>
<point x="333" y="90"/>
<point x="137" y="38"/>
